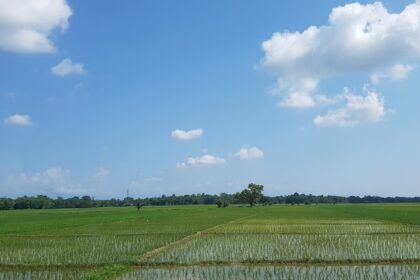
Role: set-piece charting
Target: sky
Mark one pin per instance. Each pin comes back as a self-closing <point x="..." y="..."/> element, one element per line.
<point x="164" y="97"/>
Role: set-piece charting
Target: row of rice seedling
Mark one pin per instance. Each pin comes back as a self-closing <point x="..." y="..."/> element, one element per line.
<point x="43" y="275"/>
<point x="273" y="247"/>
<point x="264" y="220"/>
<point x="81" y="250"/>
<point x="311" y="227"/>
<point x="278" y="272"/>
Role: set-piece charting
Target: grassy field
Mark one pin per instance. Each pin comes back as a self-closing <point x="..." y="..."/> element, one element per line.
<point x="380" y="241"/>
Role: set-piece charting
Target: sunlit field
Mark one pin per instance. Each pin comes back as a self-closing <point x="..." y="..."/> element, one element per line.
<point x="204" y="242"/>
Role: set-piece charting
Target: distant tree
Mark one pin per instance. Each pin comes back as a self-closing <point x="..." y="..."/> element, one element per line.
<point x="22" y="203"/>
<point x="6" y="203"/>
<point x="85" y="202"/>
<point x="138" y="204"/>
<point x="251" y="195"/>
<point x="266" y="200"/>
<point x="128" y="201"/>
<point x="222" y="203"/>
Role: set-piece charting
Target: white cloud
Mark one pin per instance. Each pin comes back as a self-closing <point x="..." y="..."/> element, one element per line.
<point x="67" y="67"/>
<point x="181" y="165"/>
<point x="205" y="160"/>
<point x="400" y="71"/>
<point x="25" y="25"/>
<point x="300" y="93"/>
<point x="53" y="175"/>
<point x="359" y="109"/>
<point x="358" y="39"/>
<point x="54" y="180"/>
<point x="187" y="135"/>
<point x="303" y="100"/>
<point x="397" y="72"/>
<point x="101" y="173"/>
<point x="251" y="153"/>
<point x="21" y="120"/>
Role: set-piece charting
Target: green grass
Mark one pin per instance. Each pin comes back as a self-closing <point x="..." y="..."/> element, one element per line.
<point x="107" y="272"/>
<point x="108" y="241"/>
<point x="185" y="219"/>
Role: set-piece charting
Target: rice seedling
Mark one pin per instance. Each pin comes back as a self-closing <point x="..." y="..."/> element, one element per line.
<point x="278" y="272"/>
<point x="316" y="227"/>
<point x="79" y="250"/>
<point x="42" y="275"/>
<point x="311" y="243"/>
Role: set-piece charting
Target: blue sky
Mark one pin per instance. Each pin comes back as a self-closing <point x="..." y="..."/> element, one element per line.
<point x="162" y="97"/>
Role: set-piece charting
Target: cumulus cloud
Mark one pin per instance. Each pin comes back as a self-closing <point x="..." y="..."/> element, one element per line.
<point x="205" y="160"/>
<point x="300" y="93"/>
<point x="397" y="72"/>
<point x="67" y="67"/>
<point x="358" y="39"/>
<point x="101" y="173"/>
<point x="52" y="180"/>
<point x="358" y="109"/>
<point x="249" y="153"/>
<point x="20" y="120"/>
<point x="25" y="25"/>
<point x="187" y="135"/>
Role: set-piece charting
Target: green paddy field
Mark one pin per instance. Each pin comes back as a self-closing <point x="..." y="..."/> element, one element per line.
<point x="369" y="241"/>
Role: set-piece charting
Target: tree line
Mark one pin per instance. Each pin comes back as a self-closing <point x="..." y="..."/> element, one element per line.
<point x="248" y="196"/>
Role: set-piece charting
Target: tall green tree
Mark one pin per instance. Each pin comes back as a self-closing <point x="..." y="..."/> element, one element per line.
<point x="251" y="195"/>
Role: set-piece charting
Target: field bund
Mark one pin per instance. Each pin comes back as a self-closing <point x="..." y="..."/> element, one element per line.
<point x="378" y="241"/>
